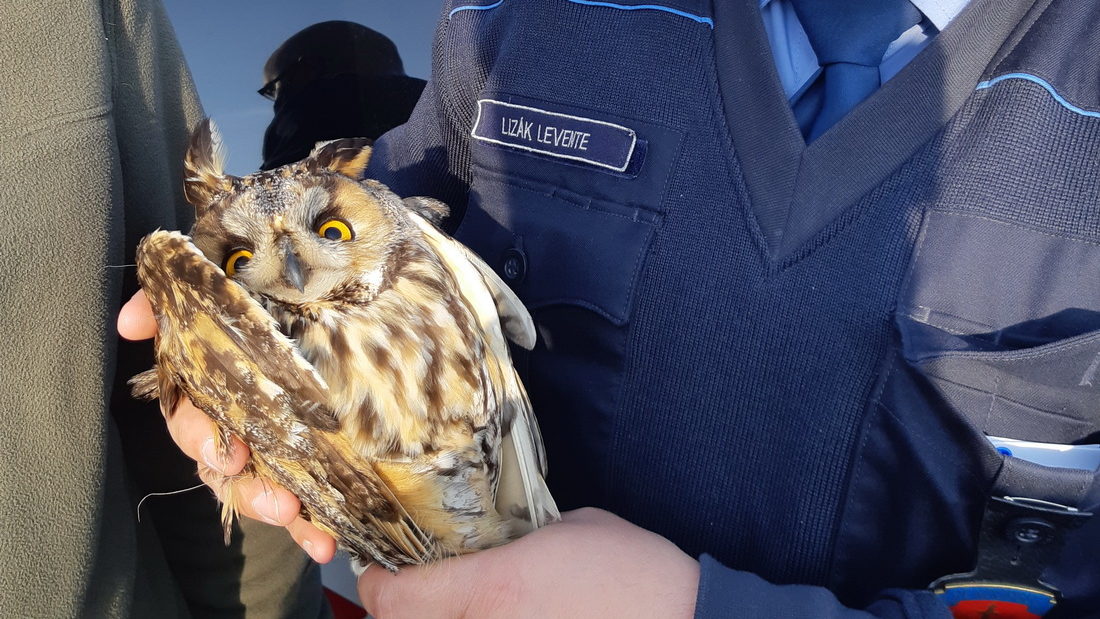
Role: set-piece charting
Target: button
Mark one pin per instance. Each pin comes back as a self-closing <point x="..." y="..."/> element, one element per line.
<point x="1030" y="531"/>
<point x="515" y="265"/>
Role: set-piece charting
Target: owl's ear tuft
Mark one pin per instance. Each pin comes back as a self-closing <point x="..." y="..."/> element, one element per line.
<point x="204" y="167"/>
<point x="347" y="156"/>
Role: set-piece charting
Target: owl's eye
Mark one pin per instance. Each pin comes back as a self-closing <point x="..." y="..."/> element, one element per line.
<point x="236" y="260"/>
<point x="335" y="230"/>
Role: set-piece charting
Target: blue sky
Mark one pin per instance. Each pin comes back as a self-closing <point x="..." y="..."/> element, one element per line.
<point x="226" y="43"/>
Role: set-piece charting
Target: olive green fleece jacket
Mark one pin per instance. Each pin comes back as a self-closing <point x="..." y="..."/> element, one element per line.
<point x="95" y="108"/>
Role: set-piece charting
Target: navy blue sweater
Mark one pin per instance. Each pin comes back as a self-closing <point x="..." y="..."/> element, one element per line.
<point x="782" y="357"/>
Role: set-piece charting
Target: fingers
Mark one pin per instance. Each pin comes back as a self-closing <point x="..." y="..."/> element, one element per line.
<point x="135" y="320"/>
<point x="320" y="546"/>
<point x="254" y="497"/>
<point x="262" y="500"/>
<point x="194" y="432"/>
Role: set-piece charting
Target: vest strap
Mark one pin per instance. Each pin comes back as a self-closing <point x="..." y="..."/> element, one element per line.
<point x="1019" y="538"/>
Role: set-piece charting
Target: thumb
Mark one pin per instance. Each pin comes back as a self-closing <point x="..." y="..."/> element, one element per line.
<point x="135" y="319"/>
<point x="426" y="591"/>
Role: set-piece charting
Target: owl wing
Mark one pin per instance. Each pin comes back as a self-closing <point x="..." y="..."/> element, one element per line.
<point x="218" y="339"/>
<point x="510" y="311"/>
<point x="521" y="492"/>
<point x="217" y="345"/>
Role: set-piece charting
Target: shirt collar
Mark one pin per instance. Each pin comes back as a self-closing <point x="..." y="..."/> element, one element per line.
<point x="939" y="12"/>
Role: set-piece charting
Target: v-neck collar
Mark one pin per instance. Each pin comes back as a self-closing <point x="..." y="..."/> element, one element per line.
<point x="797" y="190"/>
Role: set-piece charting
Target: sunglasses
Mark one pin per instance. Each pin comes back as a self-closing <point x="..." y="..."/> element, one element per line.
<point x="270" y="89"/>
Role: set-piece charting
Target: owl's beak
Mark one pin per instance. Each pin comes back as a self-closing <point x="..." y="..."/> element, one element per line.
<point x="292" y="268"/>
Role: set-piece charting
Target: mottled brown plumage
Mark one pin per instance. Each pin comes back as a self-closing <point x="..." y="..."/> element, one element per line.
<point x="358" y="351"/>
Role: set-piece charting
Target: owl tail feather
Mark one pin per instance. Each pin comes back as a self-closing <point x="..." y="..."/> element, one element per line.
<point x="145" y="385"/>
<point x="522" y="493"/>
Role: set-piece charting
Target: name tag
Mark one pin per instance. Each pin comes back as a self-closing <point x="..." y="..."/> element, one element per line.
<point x="596" y="142"/>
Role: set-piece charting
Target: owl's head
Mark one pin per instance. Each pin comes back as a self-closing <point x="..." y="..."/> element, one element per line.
<point x="306" y="232"/>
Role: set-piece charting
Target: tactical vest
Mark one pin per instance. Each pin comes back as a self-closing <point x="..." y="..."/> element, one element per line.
<point x="790" y="357"/>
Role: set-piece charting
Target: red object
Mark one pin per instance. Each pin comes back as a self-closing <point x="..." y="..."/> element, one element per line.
<point x="343" y="608"/>
<point x="991" y="609"/>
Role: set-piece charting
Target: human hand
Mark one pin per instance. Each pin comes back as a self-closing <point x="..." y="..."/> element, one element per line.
<point x="591" y="564"/>
<point x="193" y="431"/>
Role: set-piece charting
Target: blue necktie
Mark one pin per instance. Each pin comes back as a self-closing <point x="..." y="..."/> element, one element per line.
<point x="849" y="38"/>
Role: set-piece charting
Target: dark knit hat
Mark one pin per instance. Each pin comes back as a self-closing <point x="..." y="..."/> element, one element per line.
<point x="332" y="80"/>
<point x="326" y="49"/>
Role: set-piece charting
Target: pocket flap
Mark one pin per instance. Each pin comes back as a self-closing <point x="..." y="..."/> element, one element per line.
<point x="1004" y="319"/>
<point x="972" y="274"/>
<point x="1047" y="393"/>
<point x="555" y="247"/>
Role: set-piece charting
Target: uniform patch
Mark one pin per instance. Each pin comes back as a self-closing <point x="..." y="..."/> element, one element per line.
<point x="575" y="138"/>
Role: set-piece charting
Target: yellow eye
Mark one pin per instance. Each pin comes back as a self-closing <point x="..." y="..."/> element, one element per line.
<point x="335" y="230"/>
<point x="236" y="260"/>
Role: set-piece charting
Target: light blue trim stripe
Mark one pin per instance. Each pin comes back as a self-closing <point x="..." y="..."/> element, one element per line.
<point x="653" y="7"/>
<point x="1045" y="84"/>
<point x="474" y="7"/>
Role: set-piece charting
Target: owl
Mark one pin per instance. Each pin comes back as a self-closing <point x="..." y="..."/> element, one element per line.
<point x="359" y="352"/>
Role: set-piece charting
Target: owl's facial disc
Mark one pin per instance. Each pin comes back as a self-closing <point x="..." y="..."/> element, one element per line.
<point x="305" y="239"/>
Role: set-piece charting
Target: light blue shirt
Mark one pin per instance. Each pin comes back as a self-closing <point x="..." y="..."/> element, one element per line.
<point x="796" y="61"/>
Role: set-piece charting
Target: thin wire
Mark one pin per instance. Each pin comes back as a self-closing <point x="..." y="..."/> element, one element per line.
<point x="163" y="494"/>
